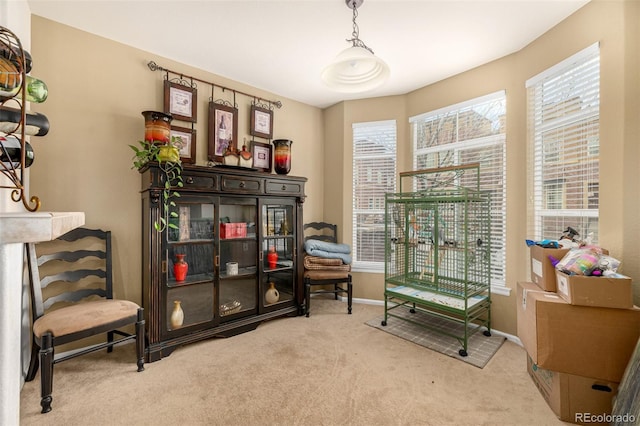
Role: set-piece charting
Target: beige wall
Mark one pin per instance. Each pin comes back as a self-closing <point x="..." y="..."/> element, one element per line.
<point x="614" y="25"/>
<point x="98" y="89"/>
<point x="630" y="161"/>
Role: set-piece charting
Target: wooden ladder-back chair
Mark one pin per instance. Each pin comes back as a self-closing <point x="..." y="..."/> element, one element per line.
<point x="329" y="275"/>
<point x="80" y="278"/>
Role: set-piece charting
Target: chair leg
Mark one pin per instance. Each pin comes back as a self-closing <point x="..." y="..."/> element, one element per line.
<point x="335" y="291"/>
<point x="110" y="340"/>
<point x="46" y="372"/>
<point x="140" y="339"/>
<point x="307" y="295"/>
<point x="34" y="362"/>
<point x="349" y="294"/>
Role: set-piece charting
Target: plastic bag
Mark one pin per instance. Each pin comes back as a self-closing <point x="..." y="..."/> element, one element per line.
<point x="581" y="261"/>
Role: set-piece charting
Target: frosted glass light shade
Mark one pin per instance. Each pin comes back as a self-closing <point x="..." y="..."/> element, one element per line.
<point x="354" y="70"/>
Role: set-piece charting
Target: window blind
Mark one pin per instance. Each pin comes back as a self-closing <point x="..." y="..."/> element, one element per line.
<point x="470" y="132"/>
<point x="374" y="174"/>
<point x="564" y="123"/>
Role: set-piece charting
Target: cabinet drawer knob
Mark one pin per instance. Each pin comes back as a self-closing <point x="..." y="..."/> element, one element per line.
<point x="284" y="187"/>
<point x="189" y="179"/>
<point x="242" y="184"/>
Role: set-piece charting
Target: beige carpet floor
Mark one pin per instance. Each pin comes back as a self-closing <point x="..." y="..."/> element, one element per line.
<point x="328" y="369"/>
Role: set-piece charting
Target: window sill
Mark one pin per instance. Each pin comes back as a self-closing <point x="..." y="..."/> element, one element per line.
<point x="500" y="290"/>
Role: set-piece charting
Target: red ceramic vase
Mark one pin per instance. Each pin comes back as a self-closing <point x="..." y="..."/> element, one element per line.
<point x="180" y="268"/>
<point x="272" y="258"/>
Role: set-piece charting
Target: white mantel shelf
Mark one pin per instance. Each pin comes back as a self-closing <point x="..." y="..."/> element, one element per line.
<point x="15" y="230"/>
<point x="26" y="227"/>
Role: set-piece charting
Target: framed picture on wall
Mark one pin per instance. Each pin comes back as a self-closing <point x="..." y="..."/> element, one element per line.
<point x="186" y="143"/>
<point x="223" y="130"/>
<point x="261" y="122"/>
<point x="261" y="153"/>
<point x="180" y="101"/>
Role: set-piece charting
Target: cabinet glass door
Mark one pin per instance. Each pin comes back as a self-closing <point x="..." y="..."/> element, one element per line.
<point x="278" y="252"/>
<point x="190" y="287"/>
<point x="238" y="257"/>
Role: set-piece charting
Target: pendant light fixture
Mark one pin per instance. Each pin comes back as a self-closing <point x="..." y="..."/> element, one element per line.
<point x="355" y="69"/>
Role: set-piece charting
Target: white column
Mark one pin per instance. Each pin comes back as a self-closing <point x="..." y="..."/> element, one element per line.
<point x="10" y="331"/>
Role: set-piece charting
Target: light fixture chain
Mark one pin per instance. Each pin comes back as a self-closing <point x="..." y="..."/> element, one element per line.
<point x="356" y="30"/>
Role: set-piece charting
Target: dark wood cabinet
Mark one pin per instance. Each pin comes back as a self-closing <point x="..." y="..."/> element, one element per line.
<point x="228" y="221"/>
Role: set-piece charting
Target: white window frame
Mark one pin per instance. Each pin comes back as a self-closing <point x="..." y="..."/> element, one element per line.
<point x="537" y="102"/>
<point x="498" y="276"/>
<point x="358" y="265"/>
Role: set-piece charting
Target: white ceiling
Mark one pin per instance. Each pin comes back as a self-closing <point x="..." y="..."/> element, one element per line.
<point x="282" y="46"/>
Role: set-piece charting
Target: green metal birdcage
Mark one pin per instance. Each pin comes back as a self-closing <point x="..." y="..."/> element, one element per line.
<point x="437" y="251"/>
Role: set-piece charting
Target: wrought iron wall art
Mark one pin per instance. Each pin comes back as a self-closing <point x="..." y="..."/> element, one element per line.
<point x="261" y="153"/>
<point x="223" y="130"/>
<point x="181" y="94"/>
<point x="15" y="153"/>
<point x="185" y="140"/>
<point x="181" y="99"/>
<point x="261" y="120"/>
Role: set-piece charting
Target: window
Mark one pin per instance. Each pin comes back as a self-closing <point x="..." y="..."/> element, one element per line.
<point x="554" y="195"/>
<point x="374" y="174"/>
<point x="470" y="132"/>
<point x="563" y="118"/>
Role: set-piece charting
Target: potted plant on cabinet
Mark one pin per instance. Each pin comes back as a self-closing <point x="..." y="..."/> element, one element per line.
<point x="167" y="155"/>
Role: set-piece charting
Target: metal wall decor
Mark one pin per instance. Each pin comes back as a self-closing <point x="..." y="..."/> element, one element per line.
<point x="262" y="153"/>
<point x="14" y="166"/>
<point x="185" y="141"/>
<point x="261" y="124"/>
<point x="223" y="129"/>
<point x="181" y="99"/>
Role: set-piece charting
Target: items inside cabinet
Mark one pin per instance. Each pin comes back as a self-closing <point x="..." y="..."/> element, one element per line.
<point x="278" y="249"/>
<point x="224" y="224"/>
<point x="238" y="260"/>
<point x="189" y="264"/>
<point x="191" y="240"/>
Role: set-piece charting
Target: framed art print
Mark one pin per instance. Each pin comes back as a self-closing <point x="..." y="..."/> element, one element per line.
<point x="186" y="143"/>
<point x="261" y="122"/>
<point x="223" y="130"/>
<point x="261" y="153"/>
<point x="180" y="101"/>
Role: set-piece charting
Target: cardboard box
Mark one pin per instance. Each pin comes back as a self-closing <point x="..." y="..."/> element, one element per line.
<point x="595" y="291"/>
<point x="542" y="271"/>
<point x="574" y="398"/>
<point x="233" y="230"/>
<point x="581" y="340"/>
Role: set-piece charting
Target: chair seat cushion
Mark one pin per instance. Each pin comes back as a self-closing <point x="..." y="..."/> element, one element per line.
<point x="326" y="275"/>
<point x="83" y="316"/>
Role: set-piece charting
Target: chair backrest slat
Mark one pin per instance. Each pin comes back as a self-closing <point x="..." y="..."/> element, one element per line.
<point x="72" y="276"/>
<point x="74" y="296"/>
<point x="79" y="269"/>
<point x="322" y="231"/>
<point x="71" y="256"/>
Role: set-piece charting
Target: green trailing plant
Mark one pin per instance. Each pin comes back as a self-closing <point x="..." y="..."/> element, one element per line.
<point x="171" y="167"/>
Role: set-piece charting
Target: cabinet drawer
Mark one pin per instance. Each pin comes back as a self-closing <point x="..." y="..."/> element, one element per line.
<point x="199" y="182"/>
<point x="283" y="187"/>
<point x="240" y="184"/>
